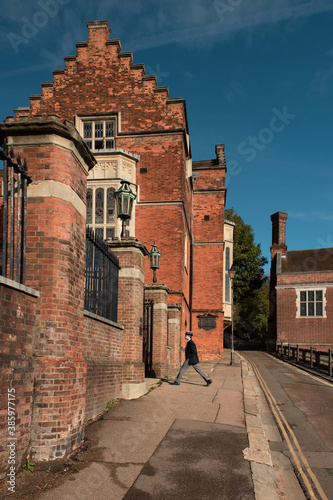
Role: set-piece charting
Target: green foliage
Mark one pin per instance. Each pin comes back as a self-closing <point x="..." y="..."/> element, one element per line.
<point x="110" y="404"/>
<point x="251" y="314"/>
<point x="251" y="289"/>
<point x="248" y="259"/>
<point x="28" y="466"/>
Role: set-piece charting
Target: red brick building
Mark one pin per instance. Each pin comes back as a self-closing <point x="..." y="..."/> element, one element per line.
<point x="63" y="361"/>
<point x="301" y="294"/>
<point x="135" y="130"/>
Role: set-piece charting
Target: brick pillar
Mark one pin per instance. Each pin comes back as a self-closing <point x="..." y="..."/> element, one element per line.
<point x="174" y="311"/>
<point x="159" y="295"/>
<point x="131" y="255"/>
<point x="278" y="248"/>
<point x="278" y="233"/>
<point x="58" y="163"/>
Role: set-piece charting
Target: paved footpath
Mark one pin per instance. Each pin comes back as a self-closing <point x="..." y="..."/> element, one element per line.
<point x="185" y="442"/>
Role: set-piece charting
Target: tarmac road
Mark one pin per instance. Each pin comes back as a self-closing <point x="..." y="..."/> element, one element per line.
<point x="302" y="405"/>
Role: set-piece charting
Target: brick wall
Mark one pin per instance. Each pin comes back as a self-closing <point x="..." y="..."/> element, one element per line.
<point x="131" y="254"/>
<point x="17" y="322"/>
<point x="102" y="79"/>
<point x="208" y="209"/>
<point x="305" y="329"/>
<point x="102" y="354"/>
<point x="55" y="266"/>
<point x="292" y="272"/>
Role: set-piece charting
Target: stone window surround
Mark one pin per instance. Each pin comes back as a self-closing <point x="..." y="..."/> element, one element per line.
<point x="305" y="288"/>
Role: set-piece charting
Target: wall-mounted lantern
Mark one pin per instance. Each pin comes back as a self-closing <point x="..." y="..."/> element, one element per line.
<point x="154" y="260"/>
<point x="124" y="198"/>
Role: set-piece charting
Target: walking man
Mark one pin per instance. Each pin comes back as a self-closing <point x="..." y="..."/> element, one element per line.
<point x="191" y="359"/>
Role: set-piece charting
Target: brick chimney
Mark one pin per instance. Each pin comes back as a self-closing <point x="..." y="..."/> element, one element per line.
<point x="99" y="32"/>
<point x="278" y="233"/>
<point x="219" y="151"/>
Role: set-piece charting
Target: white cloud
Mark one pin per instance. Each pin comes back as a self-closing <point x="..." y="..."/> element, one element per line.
<point x="214" y="19"/>
<point x="311" y="216"/>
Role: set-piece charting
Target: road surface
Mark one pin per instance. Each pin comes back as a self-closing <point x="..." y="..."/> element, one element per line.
<point x="302" y="406"/>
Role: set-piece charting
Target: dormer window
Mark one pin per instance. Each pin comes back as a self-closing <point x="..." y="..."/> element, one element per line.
<point x="99" y="134"/>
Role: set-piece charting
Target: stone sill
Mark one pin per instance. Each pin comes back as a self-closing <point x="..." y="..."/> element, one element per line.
<point x="18" y="286"/>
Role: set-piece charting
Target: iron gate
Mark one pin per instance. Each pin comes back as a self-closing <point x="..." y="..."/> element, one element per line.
<point x="148" y="322"/>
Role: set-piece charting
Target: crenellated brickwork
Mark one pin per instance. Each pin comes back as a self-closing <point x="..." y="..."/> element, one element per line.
<point x="102" y="78"/>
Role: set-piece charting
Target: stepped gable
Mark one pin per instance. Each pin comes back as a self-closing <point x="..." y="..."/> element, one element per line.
<point x="102" y="79"/>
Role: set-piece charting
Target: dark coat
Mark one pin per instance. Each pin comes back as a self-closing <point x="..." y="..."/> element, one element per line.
<point x="191" y="353"/>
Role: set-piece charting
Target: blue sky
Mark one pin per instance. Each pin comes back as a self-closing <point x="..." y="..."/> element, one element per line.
<point x="256" y="75"/>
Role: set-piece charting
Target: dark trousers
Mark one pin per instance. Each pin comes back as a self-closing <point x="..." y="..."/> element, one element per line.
<point x="185" y="366"/>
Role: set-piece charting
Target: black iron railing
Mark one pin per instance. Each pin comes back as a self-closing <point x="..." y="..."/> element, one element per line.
<point x="308" y="355"/>
<point x="15" y="180"/>
<point x="102" y="270"/>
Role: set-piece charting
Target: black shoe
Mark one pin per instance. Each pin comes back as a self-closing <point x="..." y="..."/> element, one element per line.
<point x="208" y="382"/>
<point x="176" y="383"/>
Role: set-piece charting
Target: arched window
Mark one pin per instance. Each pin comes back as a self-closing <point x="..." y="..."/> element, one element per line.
<point x="110" y="210"/>
<point x="227" y="278"/>
<point x="99" y="206"/>
<point x="89" y="206"/>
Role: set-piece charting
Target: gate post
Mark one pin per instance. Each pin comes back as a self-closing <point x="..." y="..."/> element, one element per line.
<point x="59" y="161"/>
<point x="159" y="295"/>
<point x="131" y="253"/>
<point x="174" y="314"/>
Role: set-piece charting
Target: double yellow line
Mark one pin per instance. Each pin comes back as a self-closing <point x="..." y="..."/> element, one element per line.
<point x="300" y="461"/>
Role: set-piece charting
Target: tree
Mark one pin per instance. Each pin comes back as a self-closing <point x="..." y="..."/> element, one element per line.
<point x="248" y="259"/>
<point x="251" y="290"/>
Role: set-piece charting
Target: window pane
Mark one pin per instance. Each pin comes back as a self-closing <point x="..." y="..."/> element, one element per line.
<point x="89" y="144"/>
<point x="311" y="296"/>
<point x="227" y="259"/>
<point x="319" y="309"/>
<point x="319" y="295"/>
<point x="227" y="288"/>
<point x="109" y="129"/>
<point x="99" y="206"/>
<point x="98" y="129"/>
<point x="99" y="144"/>
<point x="303" y="309"/>
<point x="311" y="309"/>
<point x="110" y="215"/>
<point x="303" y="296"/>
<point x="89" y="206"/>
<point x="87" y="130"/>
<point x="109" y="144"/>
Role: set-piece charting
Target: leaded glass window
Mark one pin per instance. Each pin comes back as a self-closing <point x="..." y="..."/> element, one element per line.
<point x="311" y="303"/>
<point x="99" y="206"/>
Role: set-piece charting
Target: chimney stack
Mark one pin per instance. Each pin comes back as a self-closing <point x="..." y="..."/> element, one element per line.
<point x="278" y="233"/>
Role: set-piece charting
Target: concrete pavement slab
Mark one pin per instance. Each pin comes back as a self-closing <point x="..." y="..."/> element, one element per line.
<point x="178" y="441"/>
<point x="197" y="461"/>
